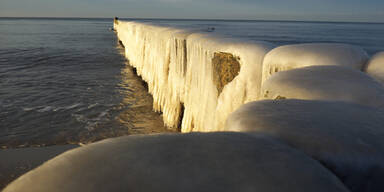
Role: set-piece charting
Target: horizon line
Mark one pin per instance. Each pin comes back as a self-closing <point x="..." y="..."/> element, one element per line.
<point x="195" y="19"/>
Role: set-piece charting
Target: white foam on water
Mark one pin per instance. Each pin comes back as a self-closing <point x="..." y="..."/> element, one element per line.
<point x="46" y="109"/>
<point x="73" y="106"/>
<point x="28" y="108"/>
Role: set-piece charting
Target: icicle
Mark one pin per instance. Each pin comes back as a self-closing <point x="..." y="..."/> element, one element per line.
<point x="177" y="65"/>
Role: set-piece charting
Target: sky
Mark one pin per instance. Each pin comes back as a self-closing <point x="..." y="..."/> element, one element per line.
<point x="303" y="10"/>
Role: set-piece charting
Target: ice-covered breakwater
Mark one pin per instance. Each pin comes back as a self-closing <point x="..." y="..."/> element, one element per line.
<point x="205" y="76"/>
<point x="197" y="79"/>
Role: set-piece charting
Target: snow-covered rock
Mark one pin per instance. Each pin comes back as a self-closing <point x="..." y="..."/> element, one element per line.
<point x="325" y="83"/>
<point x="347" y="138"/>
<point x="178" y="66"/>
<point x="375" y="67"/>
<point x="301" y="55"/>
<point x="181" y="162"/>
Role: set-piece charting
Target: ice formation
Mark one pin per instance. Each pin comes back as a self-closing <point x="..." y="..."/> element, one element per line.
<point x="177" y="65"/>
<point x="336" y="83"/>
<point x="301" y="55"/>
<point x="375" y="67"/>
<point x="197" y="79"/>
<point x="181" y="162"/>
<point x="347" y="138"/>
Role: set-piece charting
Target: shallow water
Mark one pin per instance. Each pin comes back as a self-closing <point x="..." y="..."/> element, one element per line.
<point x="67" y="81"/>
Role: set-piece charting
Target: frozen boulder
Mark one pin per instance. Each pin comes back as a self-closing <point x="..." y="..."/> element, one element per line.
<point x="325" y="83"/>
<point x="375" y="67"/>
<point x="346" y="138"/>
<point x="302" y="55"/>
<point x="181" y="162"/>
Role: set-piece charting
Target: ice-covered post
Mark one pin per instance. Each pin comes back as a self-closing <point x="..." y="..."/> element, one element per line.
<point x="115" y="23"/>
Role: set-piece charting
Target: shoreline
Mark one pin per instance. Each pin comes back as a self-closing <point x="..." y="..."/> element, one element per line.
<point x="18" y="160"/>
<point x="139" y="118"/>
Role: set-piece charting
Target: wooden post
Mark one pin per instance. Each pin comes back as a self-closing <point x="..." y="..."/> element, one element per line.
<point x="115" y="20"/>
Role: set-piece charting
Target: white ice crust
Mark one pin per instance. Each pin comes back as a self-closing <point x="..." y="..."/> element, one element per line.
<point x="181" y="162"/>
<point x="347" y="138"/>
<point x="177" y="65"/>
<point x="375" y="67"/>
<point x="335" y="83"/>
<point x="301" y="55"/>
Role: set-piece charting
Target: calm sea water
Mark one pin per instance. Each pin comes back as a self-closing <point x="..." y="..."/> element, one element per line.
<point x="66" y="80"/>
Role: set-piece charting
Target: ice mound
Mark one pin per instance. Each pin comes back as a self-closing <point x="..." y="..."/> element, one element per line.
<point x="181" y="162"/>
<point x="346" y="138"/>
<point x="301" y="55"/>
<point x="190" y="74"/>
<point x="375" y="67"/>
<point x="206" y="105"/>
<point x="325" y="83"/>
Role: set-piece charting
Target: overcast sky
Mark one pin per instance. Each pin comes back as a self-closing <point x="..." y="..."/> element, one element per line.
<point x="324" y="10"/>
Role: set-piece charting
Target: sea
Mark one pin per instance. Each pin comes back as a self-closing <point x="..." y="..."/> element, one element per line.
<point x="66" y="80"/>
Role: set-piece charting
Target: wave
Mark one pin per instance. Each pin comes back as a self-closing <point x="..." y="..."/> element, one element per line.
<point x="42" y="109"/>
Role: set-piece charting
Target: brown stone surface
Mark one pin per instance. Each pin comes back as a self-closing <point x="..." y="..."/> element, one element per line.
<point x="225" y="68"/>
<point x="15" y="162"/>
